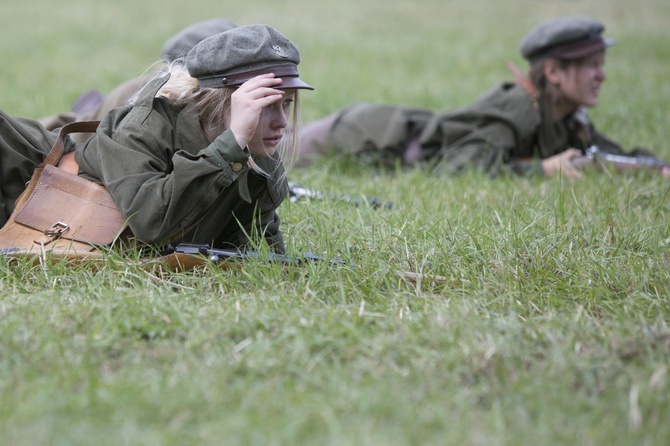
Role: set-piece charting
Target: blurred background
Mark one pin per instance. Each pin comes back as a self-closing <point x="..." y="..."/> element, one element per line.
<point x="438" y="54"/>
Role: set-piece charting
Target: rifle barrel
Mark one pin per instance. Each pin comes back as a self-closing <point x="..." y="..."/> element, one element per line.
<point x="594" y="155"/>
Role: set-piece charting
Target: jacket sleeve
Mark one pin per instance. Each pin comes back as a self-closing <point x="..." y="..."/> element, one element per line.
<point x="495" y="134"/>
<point x="484" y="146"/>
<point x="160" y="189"/>
<point x="26" y="136"/>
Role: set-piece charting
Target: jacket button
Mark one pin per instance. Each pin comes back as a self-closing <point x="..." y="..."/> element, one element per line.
<point x="237" y="167"/>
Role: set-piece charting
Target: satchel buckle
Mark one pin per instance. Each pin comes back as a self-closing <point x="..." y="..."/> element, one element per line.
<point x="59" y="228"/>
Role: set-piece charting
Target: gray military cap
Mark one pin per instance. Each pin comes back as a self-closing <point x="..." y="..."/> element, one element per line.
<point x="181" y="43"/>
<point x="233" y="57"/>
<point x="564" y="38"/>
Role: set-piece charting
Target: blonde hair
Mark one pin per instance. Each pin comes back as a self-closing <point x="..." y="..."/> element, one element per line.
<point x="212" y="106"/>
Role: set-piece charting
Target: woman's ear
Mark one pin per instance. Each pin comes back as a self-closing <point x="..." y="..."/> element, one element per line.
<point x="552" y="71"/>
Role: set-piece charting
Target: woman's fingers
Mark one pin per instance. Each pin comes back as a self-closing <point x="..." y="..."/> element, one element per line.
<point x="260" y="86"/>
<point x="561" y="163"/>
<point x="248" y="102"/>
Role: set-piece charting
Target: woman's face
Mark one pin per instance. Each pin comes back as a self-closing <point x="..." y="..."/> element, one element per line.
<point x="579" y="83"/>
<point x="271" y="126"/>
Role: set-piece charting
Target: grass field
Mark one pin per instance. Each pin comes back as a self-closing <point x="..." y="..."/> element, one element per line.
<point x="551" y="324"/>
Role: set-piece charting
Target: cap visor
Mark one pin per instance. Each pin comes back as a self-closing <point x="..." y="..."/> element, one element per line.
<point x="293" y="82"/>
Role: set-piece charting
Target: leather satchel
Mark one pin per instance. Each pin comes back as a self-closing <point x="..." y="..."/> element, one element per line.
<point x="62" y="213"/>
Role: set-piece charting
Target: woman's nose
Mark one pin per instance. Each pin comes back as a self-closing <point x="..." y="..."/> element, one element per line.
<point x="279" y="117"/>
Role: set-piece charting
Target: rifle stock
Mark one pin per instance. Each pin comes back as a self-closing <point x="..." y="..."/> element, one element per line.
<point x="186" y="256"/>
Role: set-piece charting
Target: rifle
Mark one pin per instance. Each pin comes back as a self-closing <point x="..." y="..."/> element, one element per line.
<point x="186" y="256"/>
<point x="593" y="155"/>
<point x="297" y="192"/>
<point x="182" y="257"/>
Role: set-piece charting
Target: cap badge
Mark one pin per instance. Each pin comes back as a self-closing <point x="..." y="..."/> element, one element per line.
<point x="280" y="51"/>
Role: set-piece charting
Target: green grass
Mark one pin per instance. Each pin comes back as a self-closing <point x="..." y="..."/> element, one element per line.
<point x="551" y="324"/>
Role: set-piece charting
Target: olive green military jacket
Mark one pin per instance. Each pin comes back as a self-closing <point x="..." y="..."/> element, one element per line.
<point x="162" y="173"/>
<point x="501" y="131"/>
<point x="168" y="180"/>
<point x="506" y="131"/>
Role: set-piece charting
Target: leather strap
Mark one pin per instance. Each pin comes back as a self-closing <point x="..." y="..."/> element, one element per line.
<point x="524" y="83"/>
<point x="58" y="148"/>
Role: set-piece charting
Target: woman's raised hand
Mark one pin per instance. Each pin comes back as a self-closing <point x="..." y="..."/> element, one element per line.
<point x="248" y="102"/>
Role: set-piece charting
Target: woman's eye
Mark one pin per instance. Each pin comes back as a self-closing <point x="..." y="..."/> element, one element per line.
<point x="288" y="102"/>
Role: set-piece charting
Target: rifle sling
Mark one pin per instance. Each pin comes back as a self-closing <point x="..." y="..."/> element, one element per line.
<point x="525" y="83"/>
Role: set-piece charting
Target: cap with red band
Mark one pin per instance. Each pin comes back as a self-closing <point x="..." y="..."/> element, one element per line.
<point x="564" y="38"/>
